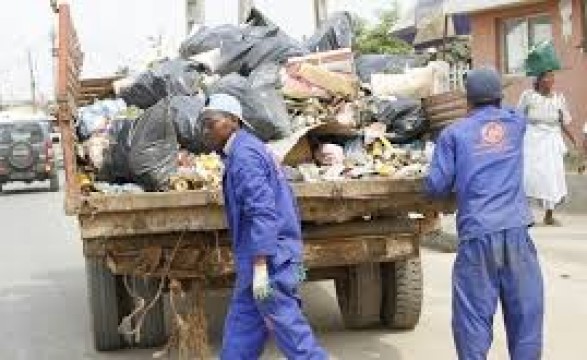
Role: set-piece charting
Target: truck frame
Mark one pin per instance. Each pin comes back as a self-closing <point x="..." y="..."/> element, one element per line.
<point x="358" y="233"/>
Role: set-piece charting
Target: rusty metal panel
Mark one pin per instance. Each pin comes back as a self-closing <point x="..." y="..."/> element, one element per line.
<point x="146" y="222"/>
<point x="193" y="261"/>
<point x="106" y="216"/>
<point x="210" y="217"/>
<point x="69" y="65"/>
<point x="380" y="188"/>
<point x="379" y="227"/>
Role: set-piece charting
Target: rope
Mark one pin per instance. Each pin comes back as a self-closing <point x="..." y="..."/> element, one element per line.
<point x="189" y="334"/>
<point x="140" y="311"/>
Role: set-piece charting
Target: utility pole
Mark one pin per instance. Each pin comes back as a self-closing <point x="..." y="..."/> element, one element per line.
<point x="33" y="82"/>
<point x="320" y="12"/>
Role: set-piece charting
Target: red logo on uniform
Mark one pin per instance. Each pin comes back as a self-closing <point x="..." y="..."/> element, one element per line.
<point x="493" y="133"/>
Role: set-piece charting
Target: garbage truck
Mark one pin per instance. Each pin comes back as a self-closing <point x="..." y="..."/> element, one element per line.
<point x="360" y="233"/>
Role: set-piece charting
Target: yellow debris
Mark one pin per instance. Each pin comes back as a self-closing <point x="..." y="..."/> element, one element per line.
<point x="377" y="150"/>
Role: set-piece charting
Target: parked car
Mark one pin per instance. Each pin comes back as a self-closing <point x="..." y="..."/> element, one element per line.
<point x="26" y="152"/>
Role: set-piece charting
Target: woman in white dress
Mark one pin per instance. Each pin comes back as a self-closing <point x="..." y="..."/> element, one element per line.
<point x="544" y="146"/>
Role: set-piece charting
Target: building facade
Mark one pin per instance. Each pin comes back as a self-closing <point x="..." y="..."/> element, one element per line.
<point x="504" y="31"/>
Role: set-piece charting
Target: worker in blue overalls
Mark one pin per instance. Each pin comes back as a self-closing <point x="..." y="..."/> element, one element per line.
<point x="267" y="242"/>
<point x="480" y="158"/>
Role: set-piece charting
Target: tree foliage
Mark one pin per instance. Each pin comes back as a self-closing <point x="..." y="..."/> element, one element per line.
<point x="377" y="38"/>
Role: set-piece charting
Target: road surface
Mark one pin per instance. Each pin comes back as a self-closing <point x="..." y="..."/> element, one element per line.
<point x="43" y="303"/>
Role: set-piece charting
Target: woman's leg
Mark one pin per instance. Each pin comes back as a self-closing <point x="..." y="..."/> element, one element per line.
<point x="549" y="214"/>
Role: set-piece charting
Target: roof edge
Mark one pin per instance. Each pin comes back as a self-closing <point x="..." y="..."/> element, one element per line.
<point x="453" y="7"/>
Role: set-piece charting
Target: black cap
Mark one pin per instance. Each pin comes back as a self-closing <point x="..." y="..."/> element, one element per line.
<point x="483" y="85"/>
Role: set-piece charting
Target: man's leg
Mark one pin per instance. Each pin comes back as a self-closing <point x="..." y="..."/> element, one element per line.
<point x="284" y="318"/>
<point x="475" y="295"/>
<point x="245" y="333"/>
<point x="522" y="296"/>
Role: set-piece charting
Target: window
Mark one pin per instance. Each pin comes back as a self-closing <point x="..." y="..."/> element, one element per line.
<point x="519" y="36"/>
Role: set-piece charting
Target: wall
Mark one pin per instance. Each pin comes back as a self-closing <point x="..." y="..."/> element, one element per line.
<point x="572" y="81"/>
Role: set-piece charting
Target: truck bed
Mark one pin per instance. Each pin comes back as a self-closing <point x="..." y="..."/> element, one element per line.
<point x="121" y="215"/>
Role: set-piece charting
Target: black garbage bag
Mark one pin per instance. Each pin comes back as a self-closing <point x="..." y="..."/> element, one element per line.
<point x="206" y="39"/>
<point x="265" y="81"/>
<point x="368" y="65"/>
<point x="271" y="49"/>
<point x="116" y="168"/>
<point x="266" y="75"/>
<point x="263" y="107"/>
<point x="185" y="114"/>
<point x="336" y="33"/>
<point x="404" y="117"/>
<point x="153" y="148"/>
<point x="257" y="18"/>
<point x="171" y="77"/>
<point x="262" y="42"/>
<point x="232" y="57"/>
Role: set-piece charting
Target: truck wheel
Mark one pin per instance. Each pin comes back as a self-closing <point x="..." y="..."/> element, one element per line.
<point x="54" y="182"/>
<point x="153" y="332"/>
<point x="359" y="296"/>
<point x="104" y="289"/>
<point x="402" y="294"/>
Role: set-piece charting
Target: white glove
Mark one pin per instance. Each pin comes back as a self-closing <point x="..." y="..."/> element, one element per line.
<point x="429" y="151"/>
<point x="261" y="287"/>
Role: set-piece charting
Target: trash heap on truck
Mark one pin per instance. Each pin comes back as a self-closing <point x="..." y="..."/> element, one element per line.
<point x="326" y="113"/>
<point x="350" y="131"/>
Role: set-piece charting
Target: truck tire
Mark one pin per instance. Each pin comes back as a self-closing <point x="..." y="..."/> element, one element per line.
<point x="54" y="182"/>
<point x="402" y="287"/>
<point x="153" y="332"/>
<point x="359" y="296"/>
<point x="104" y="292"/>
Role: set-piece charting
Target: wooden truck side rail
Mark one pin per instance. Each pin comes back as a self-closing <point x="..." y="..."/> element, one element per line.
<point x="68" y="70"/>
<point x="107" y="216"/>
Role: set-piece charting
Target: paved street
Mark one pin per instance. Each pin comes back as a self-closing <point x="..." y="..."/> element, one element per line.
<point x="43" y="304"/>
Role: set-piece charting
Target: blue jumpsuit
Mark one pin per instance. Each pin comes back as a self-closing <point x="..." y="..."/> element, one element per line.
<point x="264" y="221"/>
<point x="480" y="158"/>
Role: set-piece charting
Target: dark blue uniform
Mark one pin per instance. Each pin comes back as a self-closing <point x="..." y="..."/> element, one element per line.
<point x="480" y="158"/>
<point x="264" y="221"/>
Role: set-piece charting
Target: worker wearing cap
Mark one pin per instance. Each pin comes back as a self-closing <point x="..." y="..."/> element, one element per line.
<point x="480" y="158"/>
<point x="267" y="242"/>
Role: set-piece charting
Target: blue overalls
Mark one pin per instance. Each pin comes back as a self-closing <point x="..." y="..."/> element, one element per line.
<point x="264" y="221"/>
<point x="480" y="158"/>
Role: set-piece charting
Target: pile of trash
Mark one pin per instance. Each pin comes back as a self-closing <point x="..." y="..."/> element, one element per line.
<point x="357" y="116"/>
<point x="370" y="155"/>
